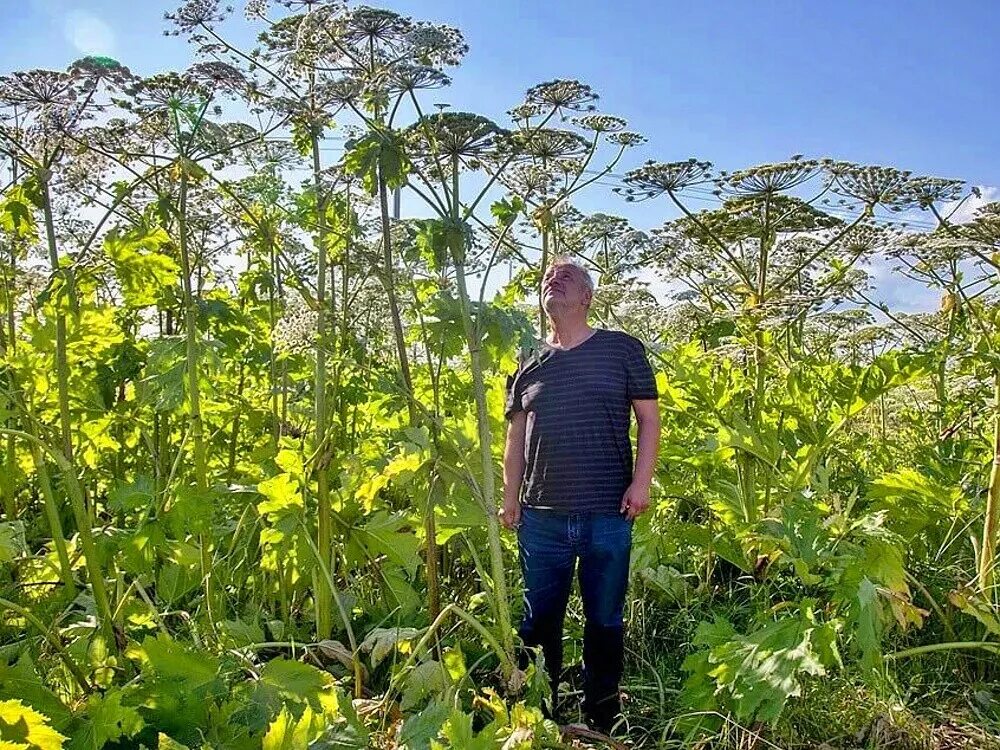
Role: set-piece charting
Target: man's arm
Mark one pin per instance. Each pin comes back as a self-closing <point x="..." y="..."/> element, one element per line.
<point x="513" y="470"/>
<point x="647" y="416"/>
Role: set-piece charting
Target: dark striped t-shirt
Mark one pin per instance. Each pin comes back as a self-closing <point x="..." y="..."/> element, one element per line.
<point x="578" y="402"/>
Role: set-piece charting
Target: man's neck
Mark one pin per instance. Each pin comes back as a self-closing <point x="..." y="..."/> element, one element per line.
<point x="568" y="331"/>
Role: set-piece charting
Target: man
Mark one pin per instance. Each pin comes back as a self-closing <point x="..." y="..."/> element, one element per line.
<point x="569" y="485"/>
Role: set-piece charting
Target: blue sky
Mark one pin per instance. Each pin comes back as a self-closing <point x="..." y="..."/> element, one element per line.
<point x="912" y="84"/>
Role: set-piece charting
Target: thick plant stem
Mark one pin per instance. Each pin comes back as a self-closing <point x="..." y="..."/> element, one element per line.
<point x="234" y="436"/>
<point x="991" y="523"/>
<point x="430" y="530"/>
<point x="52" y="516"/>
<point x="542" y="318"/>
<point x="345" y="313"/>
<point x="191" y="340"/>
<point x="390" y="290"/>
<point x="935" y="647"/>
<point x="324" y="524"/>
<point x="8" y="344"/>
<point x="272" y="363"/>
<point x="327" y="576"/>
<point x="472" y="336"/>
<point x="194" y="385"/>
<point x="62" y="360"/>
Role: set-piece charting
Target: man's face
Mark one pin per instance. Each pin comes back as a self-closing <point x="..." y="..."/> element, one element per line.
<point x="563" y="289"/>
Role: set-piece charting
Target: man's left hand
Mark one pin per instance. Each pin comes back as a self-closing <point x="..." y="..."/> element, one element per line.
<point x="635" y="501"/>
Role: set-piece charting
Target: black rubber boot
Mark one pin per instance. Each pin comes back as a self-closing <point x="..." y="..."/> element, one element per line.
<point x="603" y="657"/>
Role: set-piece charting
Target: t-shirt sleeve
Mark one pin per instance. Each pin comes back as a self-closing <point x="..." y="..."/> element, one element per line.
<point x="512" y="405"/>
<point x="641" y="380"/>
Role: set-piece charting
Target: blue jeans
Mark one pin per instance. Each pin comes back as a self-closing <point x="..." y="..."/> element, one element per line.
<point x="550" y="543"/>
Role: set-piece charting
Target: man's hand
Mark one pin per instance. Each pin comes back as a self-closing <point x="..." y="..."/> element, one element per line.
<point x="635" y="500"/>
<point x="510" y="514"/>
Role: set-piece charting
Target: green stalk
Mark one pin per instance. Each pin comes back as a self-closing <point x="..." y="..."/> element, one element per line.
<point x="272" y="365"/>
<point x="390" y="290"/>
<point x="991" y="522"/>
<point x="62" y="360"/>
<point x="766" y="244"/>
<point x="345" y="618"/>
<point x="324" y="526"/>
<point x="194" y="385"/>
<point x="472" y="338"/>
<point x="52" y="515"/>
<point x="430" y="531"/>
<point x="235" y="434"/>
<point x="542" y="318"/>
<point x="345" y="319"/>
<point x="933" y="647"/>
<point x="191" y="339"/>
<point x="8" y="343"/>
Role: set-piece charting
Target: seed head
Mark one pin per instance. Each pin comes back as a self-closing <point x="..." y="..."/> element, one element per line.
<point x="218" y="76"/>
<point x="528" y="180"/>
<point x="926" y="191"/>
<point x="459" y="134"/>
<point x="548" y="144"/>
<point x="627" y="139"/>
<point x="656" y="178"/>
<point x="195" y="14"/>
<point x="872" y="185"/>
<point x="407" y="77"/>
<point x="563" y="94"/>
<point x="600" y="123"/>
<point x="767" y="179"/>
<point x="34" y="89"/>
<point x="436" y="45"/>
<point x="522" y="113"/>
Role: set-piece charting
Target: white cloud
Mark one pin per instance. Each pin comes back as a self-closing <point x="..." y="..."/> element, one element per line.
<point x="967" y="210"/>
<point x="899" y="292"/>
<point x="88" y="33"/>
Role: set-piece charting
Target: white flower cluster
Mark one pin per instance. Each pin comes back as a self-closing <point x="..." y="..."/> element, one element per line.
<point x="295" y="332"/>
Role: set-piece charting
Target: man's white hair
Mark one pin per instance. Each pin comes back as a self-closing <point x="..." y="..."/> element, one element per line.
<point x="581" y="272"/>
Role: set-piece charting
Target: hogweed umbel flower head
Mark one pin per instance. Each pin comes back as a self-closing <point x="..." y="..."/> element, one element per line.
<point x="530" y="181"/>
<point x="600" y="123"/>
<point x="926" y="191"/>
<point x="872" y="185"/>
<point x="768" y="179"/>
<point x="461" y="134"/>
<point x="295" y="331"/>
<point x="626" y="139"/>
<point x="34" y="89"/>
<point x="165" y="91"/>
<point x="563" y="94"/>
<point x="408" y="77"/>
<point x="195" y="14"/>
<point x="522" y="113"/>
<point x="94" y="68"/>
<point x="550" y="145"/>
<point x="219" y="76"/>
<point x="655" y="178"/>
<point x="436" y="45"/>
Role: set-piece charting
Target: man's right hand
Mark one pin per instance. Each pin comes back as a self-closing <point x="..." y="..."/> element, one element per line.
<point x="510" y="514"/>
